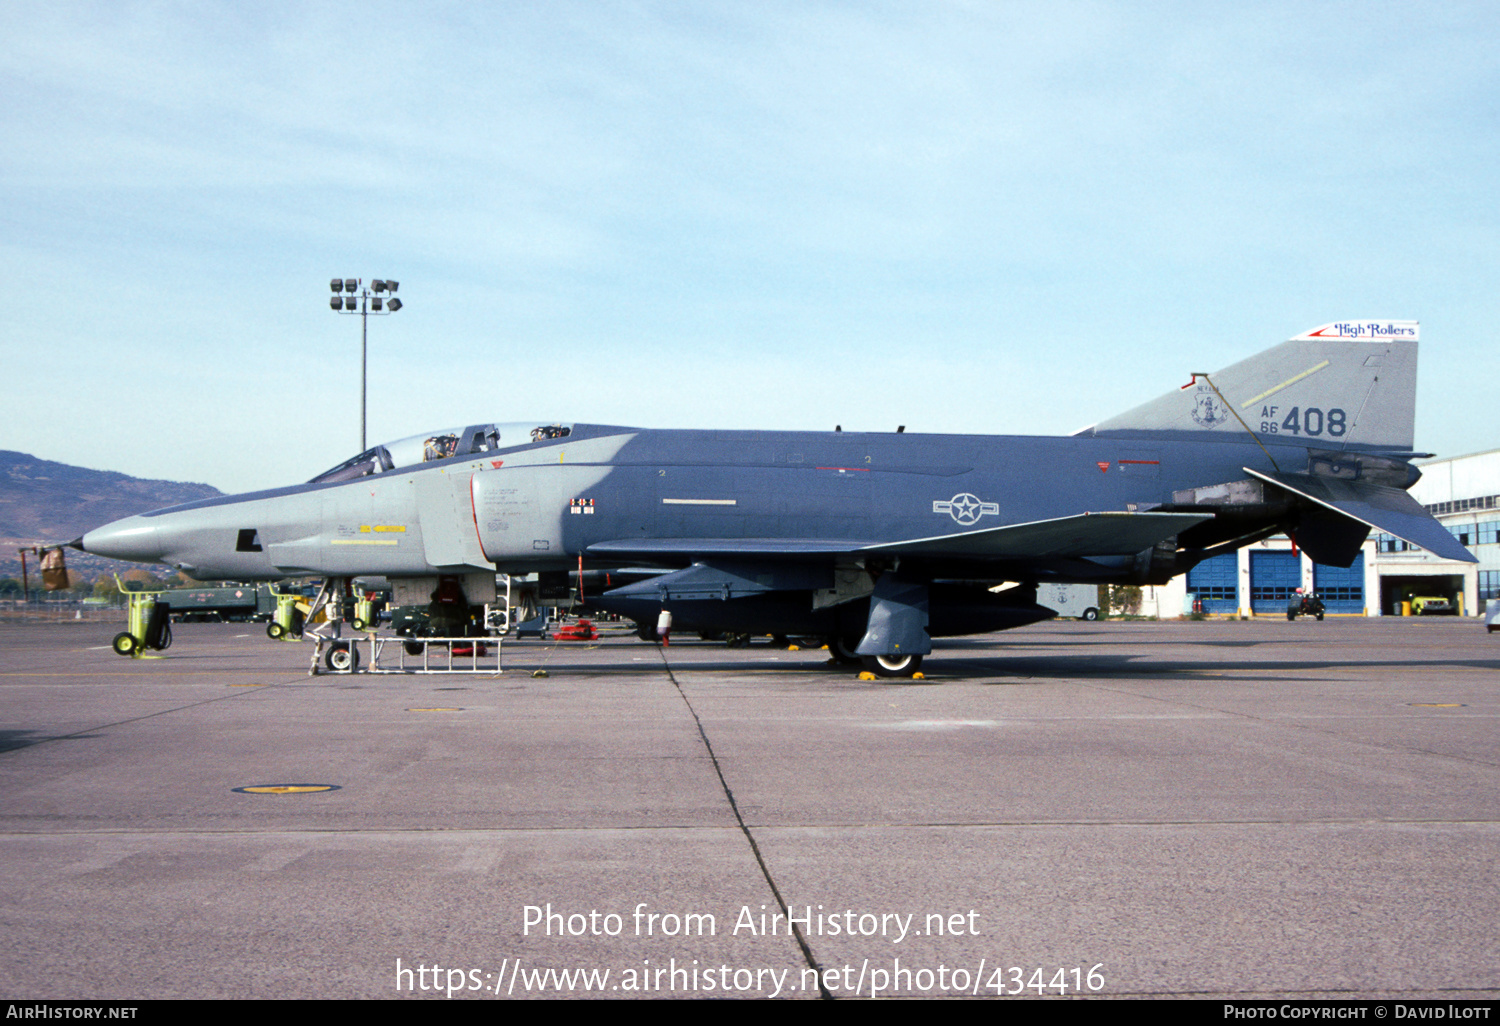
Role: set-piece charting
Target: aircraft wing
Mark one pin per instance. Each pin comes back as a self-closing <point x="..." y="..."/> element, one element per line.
<point x="1088" y="534"/>
<point x="684" y="548"/>
<point x="1382" y="507"/>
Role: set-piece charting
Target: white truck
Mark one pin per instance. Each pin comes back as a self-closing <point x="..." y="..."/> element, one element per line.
<point x="1077" y="600"/>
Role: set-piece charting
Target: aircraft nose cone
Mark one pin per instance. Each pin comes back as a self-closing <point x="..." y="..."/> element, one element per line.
<point x="133" y="538"/>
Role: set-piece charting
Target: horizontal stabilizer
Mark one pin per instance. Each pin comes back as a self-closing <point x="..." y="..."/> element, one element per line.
<point x="1380" y="506"/>
<point x="1088" y="534"/>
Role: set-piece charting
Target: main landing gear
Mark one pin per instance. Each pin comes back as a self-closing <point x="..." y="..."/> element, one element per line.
<point x="892" y="665"/>
<point x="889" y="666"/>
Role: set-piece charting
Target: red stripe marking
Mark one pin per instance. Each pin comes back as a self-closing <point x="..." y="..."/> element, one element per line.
<point x="474" y="514"/>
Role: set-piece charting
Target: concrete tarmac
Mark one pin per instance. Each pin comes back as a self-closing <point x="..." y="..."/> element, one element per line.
<point x="1215" y="809"/>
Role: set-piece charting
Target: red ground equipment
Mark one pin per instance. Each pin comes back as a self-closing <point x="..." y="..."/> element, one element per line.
<point x="583" y="630"/>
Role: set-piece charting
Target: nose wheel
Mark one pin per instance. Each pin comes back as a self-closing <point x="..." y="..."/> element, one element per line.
<point x="342" y="657"/>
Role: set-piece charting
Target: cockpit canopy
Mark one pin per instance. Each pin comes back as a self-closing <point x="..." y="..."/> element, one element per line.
<point x="441" y="445"/>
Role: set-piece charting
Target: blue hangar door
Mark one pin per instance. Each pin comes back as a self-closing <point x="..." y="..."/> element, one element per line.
<point x="1343" y="590"/>
<point x="1215" y="581"/>
<point x="1274" y="579"/>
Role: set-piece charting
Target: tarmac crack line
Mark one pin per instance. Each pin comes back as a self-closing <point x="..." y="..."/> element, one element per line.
<point x="765" y="871"/>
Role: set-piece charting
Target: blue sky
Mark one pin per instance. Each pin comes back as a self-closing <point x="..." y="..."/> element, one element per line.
<point x="961" y="217"/>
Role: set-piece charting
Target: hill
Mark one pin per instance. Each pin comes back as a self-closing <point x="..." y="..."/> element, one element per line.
<point x="43" y="501"/>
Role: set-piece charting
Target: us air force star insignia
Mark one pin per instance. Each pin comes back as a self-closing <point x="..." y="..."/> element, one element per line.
<point x="965" y="508"/>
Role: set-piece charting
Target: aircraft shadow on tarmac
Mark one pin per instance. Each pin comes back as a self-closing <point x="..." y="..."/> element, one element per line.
<point x="952" y="665"/>
<point x="1134" y="667"/>
<point x="14" y="740"/>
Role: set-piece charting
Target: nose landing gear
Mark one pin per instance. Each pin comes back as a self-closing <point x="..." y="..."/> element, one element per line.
<point x="342" y="657"/>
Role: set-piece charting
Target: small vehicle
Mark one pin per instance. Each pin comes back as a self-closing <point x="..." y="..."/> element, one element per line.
<point x="583" y="630"/>
<point x="1305" y="605"/>
<point x="1432" y="605"/>
<point x="1076" y="600"/>
<point x="408" y="620"/>
<point x="232" y="602"/>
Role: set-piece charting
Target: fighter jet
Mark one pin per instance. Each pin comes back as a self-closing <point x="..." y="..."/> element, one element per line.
<point x="877" y="542"/>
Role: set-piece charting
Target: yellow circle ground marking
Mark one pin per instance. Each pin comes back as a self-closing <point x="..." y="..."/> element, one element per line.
<point x="287" y="788"/>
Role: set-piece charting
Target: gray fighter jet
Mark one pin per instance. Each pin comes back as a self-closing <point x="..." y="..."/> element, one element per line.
<point x="876" y="542"/>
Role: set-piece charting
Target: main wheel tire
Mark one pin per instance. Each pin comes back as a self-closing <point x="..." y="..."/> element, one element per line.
<point x="893" y="665"/>
<point x="124" y="643"/>
<point x="1091" y="614"/>
<point x="342" y="658"/>
<point x="842" y="650"/>
<point x="1290" y="615"/>
<point x="275" y="631"/>
<point x="1320" y="617"/>
<point x="413" y="648"/>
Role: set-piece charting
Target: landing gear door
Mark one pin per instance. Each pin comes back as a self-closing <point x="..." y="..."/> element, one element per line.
<point x="446" y="511"/>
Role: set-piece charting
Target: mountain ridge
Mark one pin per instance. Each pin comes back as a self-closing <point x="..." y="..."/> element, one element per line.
<point x="43" y="501"/>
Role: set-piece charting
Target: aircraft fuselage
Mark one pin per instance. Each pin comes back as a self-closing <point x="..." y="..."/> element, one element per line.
<point x="539" y="506"/>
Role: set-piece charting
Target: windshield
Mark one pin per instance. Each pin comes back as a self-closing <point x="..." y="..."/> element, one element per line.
<point x="371" y="461"/>
<point x="441" y="445"/>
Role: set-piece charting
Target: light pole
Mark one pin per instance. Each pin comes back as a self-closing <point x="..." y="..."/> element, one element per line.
<point x="351" y="297"/>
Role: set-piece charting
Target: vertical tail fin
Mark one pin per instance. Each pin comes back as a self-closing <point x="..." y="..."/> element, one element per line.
<point x="1341" y="384"/>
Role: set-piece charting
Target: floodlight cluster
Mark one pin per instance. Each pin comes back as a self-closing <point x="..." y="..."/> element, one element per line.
<point x="348" y="296"/>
